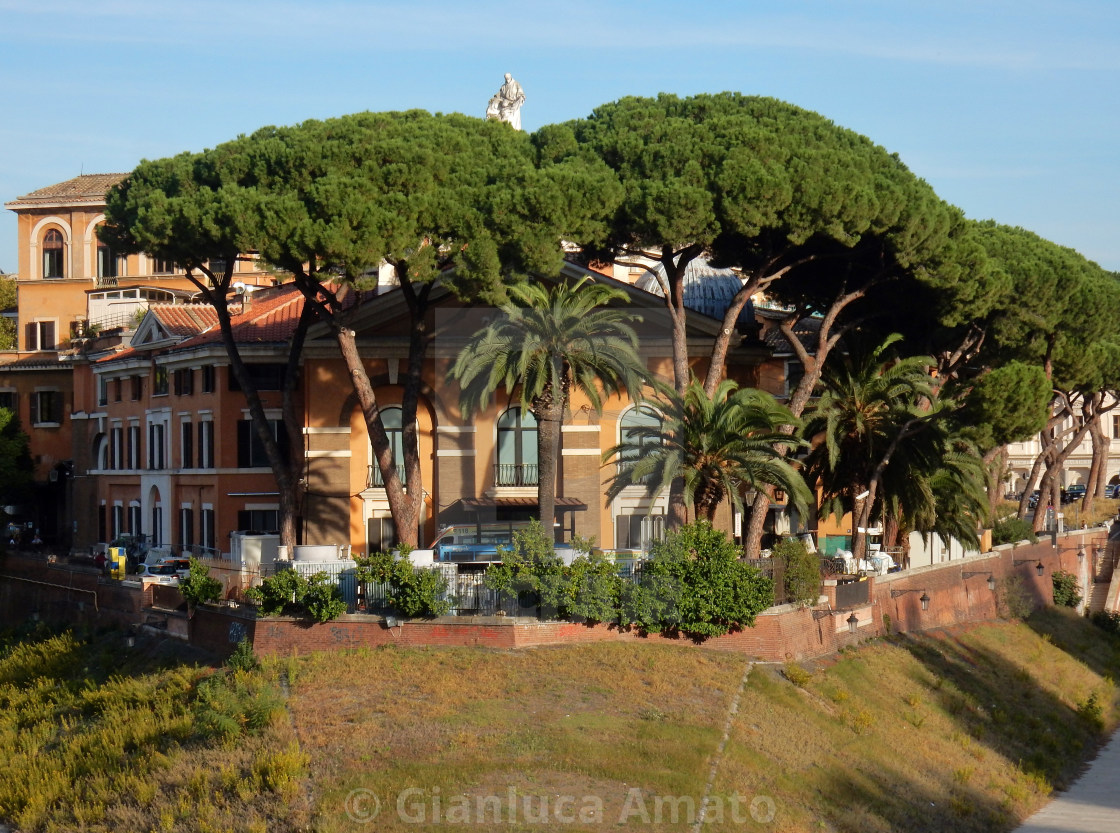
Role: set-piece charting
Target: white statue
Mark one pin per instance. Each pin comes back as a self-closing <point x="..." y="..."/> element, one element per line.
<point x="505" y="105"/>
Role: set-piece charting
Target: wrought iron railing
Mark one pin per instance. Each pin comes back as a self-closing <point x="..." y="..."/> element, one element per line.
<point x="374" y="480"/>
<point x="516" y="474"/>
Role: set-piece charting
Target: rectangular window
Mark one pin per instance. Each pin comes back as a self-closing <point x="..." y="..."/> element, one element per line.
<point x="156" y="449"/>
<point x="381" y="534"/>
<point x="1116" y="426"/>
<point x="263" y="376"/>
<point x="186" y="527"/>
<point x="250" y="449"/>
<point x="102" y="391"/>
<point x="162" y="266"/>
<point x="184" y="382"/>
<point x="10" y="400"/>
<point x="206" y="445"/>
<point x="40" y="335"/>
<point x="137" y="388"/>
<point x="159" y="383"/>
<point x="259" y="520"/>
<point x="118" y="521"/>
<point x="116" y="449"/>
<point x="134" y="522"/>
<point x="108" y="265"/>
<point x="186" y="448"/>
<point x="206" y="534"/>
<point x="46" y="407"/>
<point x="636" y="532"/>
<point x="133" y="447"/>
<point x="208" y="379"/>
<point x="157" y="526"/>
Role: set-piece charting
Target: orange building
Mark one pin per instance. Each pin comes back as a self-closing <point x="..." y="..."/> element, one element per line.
<point x="70" y="287"/>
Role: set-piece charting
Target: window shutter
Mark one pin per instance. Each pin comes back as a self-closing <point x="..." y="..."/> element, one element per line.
<point x="244" y="444"/>
<point x="35" y="409"/>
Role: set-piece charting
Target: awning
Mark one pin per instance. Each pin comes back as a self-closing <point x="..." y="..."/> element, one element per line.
<point x="477" y="504"/>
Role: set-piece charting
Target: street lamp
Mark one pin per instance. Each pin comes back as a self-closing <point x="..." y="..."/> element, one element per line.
<point x="924" y="598"/>
<point x="988" y="573"/>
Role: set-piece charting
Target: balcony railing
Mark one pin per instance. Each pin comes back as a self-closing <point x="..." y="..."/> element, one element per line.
<point x="374" y="480"/>
<point x="516" y="474"/>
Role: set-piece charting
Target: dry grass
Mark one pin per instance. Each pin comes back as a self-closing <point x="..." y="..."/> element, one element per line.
<point x="967" y="730"/>
<point x="95" y="736"/>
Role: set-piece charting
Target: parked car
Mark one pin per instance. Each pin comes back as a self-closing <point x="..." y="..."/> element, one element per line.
<point x="1112" y="490"/>
<point x="182" y="565"/>
<point x="1074" y="493"/>
<point x="163" y="573"/>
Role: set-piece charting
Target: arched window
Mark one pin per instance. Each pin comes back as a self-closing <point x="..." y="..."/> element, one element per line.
<point x="517" y="449"/>
<point x="639" y="427"/>
<point x="53" y="250"/>
<point x="392" y="419"/>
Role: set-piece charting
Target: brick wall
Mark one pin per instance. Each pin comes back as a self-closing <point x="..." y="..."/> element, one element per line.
<point x="781" y="633"/>
<point x="31" y="587"/>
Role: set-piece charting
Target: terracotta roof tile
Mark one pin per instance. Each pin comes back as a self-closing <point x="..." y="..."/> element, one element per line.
<point x="271" y="316"/>
<point x="85" y="188"/>
<point x="184" y="320"/>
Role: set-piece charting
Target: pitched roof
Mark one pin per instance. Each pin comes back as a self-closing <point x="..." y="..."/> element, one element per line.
<point x="805" y="330"/>
<point x="87" y="188"/>
<point x="269" y="316"/>
<point x="184" y="320"/>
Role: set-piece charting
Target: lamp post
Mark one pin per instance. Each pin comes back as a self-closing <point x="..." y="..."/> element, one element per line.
<point x="924" y="598"/>
<point x="988" y="573"/>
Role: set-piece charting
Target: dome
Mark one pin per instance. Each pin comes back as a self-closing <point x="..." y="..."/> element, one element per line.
<point x="707" y="290"/>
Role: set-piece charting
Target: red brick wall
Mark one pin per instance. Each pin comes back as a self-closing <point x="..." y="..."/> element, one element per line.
<point x="782" y="633"/>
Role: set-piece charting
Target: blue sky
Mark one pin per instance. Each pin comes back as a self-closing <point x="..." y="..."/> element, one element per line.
<point x="1008" y="108"/>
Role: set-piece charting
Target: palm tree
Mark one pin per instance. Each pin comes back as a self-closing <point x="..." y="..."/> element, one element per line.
<point x="719" y="445"/>
<point x="551" y="341"/>
<point x="889" y="447"/>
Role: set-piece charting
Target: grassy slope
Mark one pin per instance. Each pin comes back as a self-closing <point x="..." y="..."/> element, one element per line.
<point x="962" y="731"/>
<point x="98" y="736"/>
<point x="959" y="731"/>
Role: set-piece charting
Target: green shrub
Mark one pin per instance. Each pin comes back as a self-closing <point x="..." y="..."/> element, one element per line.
<point x="1066" y="590"/>
<point x="1012" y="530"/>
<point x="229" y="705"/>
<point x="715" y="591"/>
<point x="1107" y="620"/>
<point x="322" y="598"/>
<point x="243" y="658"/>
<point x="413" y="591"/>
<point x="1012" y="599"/>
<point x="588" y="589"/>
<point x="802" y="571"/>
<point x="796" y="674"/>
<point x="198" y="587"/>
<point x="289" y="593"/>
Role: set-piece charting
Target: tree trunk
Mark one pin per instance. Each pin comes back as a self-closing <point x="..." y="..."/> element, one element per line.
<point x="549" y="411"/>
<point x="286" y="471"/>
<point x="813" y="365"/>
<point x="404" y="511"/>
<point x="1097" y="471"/>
